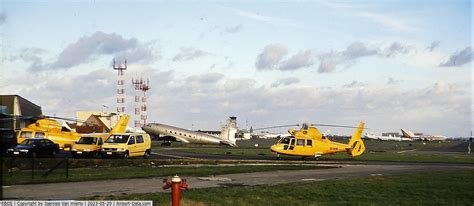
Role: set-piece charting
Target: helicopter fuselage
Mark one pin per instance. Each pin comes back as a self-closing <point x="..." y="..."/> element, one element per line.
<point x="309" y="142"/>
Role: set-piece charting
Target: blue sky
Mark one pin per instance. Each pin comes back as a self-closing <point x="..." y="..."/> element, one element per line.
<point x="392" y="64"/>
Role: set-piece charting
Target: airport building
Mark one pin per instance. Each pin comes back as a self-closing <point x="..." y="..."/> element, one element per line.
<point x="95" y="121"/>
<point x="16" y="112"/>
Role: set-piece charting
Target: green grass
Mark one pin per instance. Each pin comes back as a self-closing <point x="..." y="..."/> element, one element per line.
<point x="107" y="173"/>
<point x="432" y="188"/>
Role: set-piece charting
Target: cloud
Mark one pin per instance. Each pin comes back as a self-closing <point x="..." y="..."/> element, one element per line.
<point x="31" y="56"/>
<point x="64" y="95"/>
<point x="285" y="82"/>
<point x="396" y="48"/>
<point x="189" y="53"/>
<point x="357" y="50"/>
<point x="271" y="20"/>
<point x="330" y="60"/>
<point x="88" y="48"/>
<point x="300" y="60"/>
<point x="3" y="18"/>
<point x="364" y="10"/>
<point x="271" y="56"/>
<point x="393" y="81"/>
<point x="207" y="78"/>
<point x="459" y="58"/>
<point x="389" y="22"/>
<point x="208" y="99"/>
<point x="232" y="30"/>
<point x="433" y="45"/>
<point x="354" y="84"/>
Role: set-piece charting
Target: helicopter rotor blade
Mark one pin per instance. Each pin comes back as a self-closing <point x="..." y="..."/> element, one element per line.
<point x="289" y="125"/>
<point x="67" y="119"/>
<point x="335" y="125"/>
<point x="14" y="117"/>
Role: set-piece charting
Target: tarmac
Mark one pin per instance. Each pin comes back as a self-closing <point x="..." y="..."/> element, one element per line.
<point x="76" y="190"/>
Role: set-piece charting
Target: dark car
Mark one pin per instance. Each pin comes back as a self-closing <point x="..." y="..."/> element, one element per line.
<point x="34" y="147"/>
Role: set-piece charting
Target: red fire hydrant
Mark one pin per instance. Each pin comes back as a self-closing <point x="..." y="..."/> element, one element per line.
<point x="176" y="185"/>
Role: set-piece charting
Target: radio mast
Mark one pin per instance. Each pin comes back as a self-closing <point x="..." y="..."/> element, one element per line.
<point x="120" y="87"/>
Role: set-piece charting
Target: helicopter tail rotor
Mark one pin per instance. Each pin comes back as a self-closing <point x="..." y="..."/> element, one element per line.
<point x="356" y="144"/>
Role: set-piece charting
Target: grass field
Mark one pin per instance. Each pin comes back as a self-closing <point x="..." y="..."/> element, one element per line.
<point x="434" y="188"/>
<point x="107" y="173"/>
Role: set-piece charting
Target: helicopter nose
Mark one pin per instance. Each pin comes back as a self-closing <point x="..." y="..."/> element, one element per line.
<point x="274" y="148"/>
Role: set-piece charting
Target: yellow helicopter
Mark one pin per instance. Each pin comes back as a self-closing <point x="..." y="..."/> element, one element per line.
<point x="309" y="142"/>
<point x="47" y="127"/>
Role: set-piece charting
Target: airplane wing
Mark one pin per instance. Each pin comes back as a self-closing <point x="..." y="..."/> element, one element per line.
<point x="179" y="138"/>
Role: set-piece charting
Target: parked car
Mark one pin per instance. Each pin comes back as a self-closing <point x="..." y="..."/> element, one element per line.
<point x="127" y="145"/>
<point x="87" y="146"/>
<point x="34" y="147"/>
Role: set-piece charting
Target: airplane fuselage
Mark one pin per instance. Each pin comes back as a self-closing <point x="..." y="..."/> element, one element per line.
<point x="184" y="135"/>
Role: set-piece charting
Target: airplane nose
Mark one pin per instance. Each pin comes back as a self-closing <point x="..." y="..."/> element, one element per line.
<point x="146" y="127"/>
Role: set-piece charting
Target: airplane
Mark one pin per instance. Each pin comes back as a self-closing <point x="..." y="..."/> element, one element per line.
<point x="226" y="137"/>
<point x="309" y="142"/>
<point x="409" y="134"/>
<point x="47" y="127"/>
<point x="386" y="138"/>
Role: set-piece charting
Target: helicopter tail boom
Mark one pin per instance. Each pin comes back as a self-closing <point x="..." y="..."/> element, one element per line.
<point x="356" y="144"/>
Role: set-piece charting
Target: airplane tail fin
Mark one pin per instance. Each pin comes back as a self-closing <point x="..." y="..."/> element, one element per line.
<point x="407" y="134"/>
<point x="356" y="143"/>
<point x="121" y="125"/>
<point x="229" y="132"/>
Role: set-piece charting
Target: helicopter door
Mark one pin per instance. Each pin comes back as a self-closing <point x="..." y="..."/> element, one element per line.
<point x="291" y="146"/>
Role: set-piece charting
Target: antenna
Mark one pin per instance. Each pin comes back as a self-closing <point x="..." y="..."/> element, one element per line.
<point x="136" y="85"/>
<point x="144" y="87"/>
<point x="141" y="87"/>
<point x="120" y="87"/>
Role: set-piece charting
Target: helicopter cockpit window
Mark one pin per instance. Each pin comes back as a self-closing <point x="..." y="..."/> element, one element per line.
<point x="117" y="139"/>
<point x="300" y="142"/>
<point x="309" y="142"/>
<point x="292" y="144"/>
<point x="25" y="134"/>
<point x="39" y="134"/>
<point x="87" y="140"/>
<point x="285" y="140"/>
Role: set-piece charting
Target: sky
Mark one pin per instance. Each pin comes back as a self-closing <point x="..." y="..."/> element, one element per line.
<point x="390" y="64"/>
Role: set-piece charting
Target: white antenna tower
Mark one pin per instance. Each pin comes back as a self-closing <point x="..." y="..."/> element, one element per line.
<point x="137" y="86"/>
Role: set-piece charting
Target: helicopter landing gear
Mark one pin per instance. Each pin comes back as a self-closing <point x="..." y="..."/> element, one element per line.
<point x="278" y="156"/>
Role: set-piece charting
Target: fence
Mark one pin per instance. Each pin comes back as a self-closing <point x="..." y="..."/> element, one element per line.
<point x="36" y="168"/>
